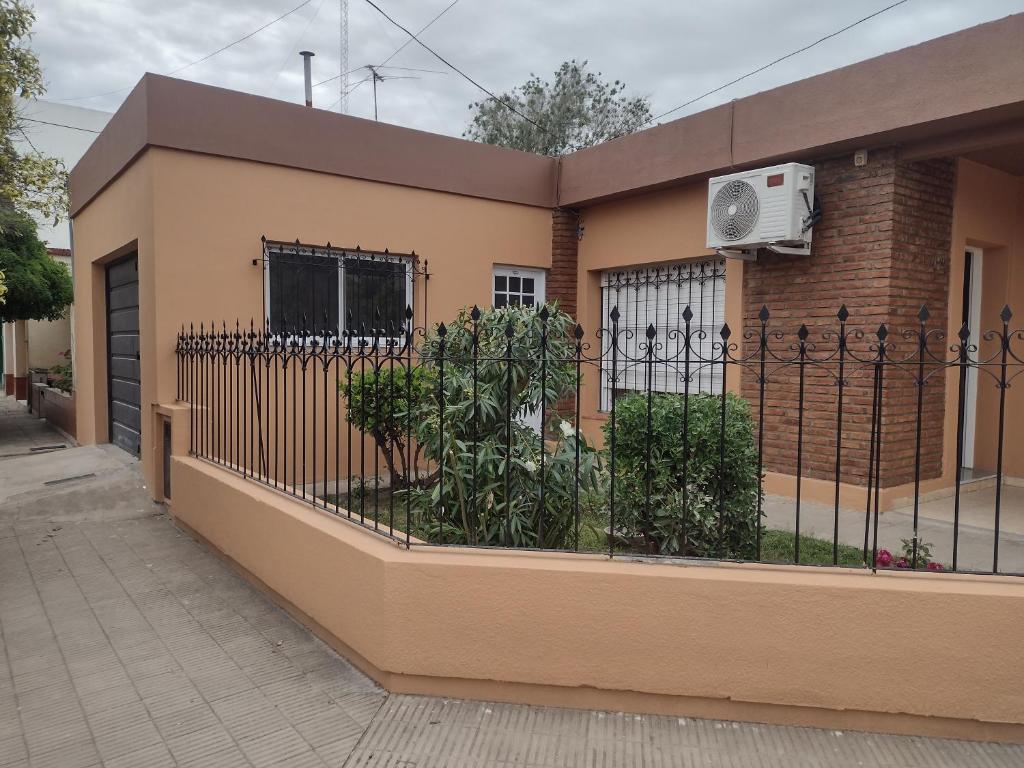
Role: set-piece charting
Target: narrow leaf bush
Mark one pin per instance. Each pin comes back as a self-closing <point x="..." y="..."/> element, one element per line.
<point x="480" y="492"/>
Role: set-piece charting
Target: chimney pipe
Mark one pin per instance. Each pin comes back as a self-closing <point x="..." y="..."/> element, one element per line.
<point x="307" y="72"/>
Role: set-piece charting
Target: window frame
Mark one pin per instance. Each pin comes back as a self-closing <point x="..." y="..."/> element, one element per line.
<point x="537" y="274"/>
<point x="700" y="270"/>
<point x="340" y="255"/>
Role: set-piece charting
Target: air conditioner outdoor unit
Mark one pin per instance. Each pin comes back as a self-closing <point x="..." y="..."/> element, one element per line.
<point x="764" y="208"/>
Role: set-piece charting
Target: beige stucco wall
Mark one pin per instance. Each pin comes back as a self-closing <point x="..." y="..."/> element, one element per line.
<point x="116" y="223"/>
<point x="198" y="220"/>
<point x="988" y="214"/>
<point x="48" y="341"/>
<point x="777" y="644"/>
<point x="655" y="228"/>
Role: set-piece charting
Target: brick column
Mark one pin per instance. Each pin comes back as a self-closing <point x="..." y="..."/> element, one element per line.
<point x="563" y="277"/>
<point x="881" y="248"/>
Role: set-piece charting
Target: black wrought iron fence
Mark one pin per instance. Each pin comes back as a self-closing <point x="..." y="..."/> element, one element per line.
<point x="514" y="427"/>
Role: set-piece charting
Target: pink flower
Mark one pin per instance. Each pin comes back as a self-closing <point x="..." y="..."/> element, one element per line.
<point x="902" y="563"/>
<point x="884" y="558"/>
<point x="933" y="566"/>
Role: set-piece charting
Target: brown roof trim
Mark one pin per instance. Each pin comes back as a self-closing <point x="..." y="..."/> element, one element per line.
<point x="177" y="114"/>
<point x="58" y="251"/>
<point x="923" y="98"/>
<point x="910" y="95"/>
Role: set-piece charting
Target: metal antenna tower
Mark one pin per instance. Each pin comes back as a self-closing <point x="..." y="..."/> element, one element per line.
<point x="343" y="47"/>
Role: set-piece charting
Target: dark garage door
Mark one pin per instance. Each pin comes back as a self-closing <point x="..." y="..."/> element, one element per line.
<point x="123" y="353"/>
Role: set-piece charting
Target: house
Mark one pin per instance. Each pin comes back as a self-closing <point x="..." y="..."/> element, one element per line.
<point x="197" y="207"/>
<point x="64" y="132"/>
<point x="186" y="179"/>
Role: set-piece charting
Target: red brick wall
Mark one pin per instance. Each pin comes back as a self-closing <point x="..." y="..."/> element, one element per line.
<point x="881" y="249"/>
<point x="561" y="284"/>
<point x="922" y="221"/>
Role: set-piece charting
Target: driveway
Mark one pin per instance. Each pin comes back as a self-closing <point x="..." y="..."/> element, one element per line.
<point x="126" y="643"/>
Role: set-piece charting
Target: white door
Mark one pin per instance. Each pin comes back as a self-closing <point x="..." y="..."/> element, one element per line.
<point x="972" y="316"/>
<point x="519" y="286"/>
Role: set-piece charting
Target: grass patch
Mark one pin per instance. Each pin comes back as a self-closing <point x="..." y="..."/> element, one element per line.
<point x="777" y="546"/>
<point x="780" y="547"/>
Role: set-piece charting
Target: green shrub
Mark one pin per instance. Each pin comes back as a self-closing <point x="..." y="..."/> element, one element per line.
<point x="676" y="508"/>
<point x="505" y="508"/>
<point x="379" y="404"/>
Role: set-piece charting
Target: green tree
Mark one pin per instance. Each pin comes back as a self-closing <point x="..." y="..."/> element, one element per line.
<point x="578" y="110"/>
<point x="29" y="181"/>
<point x="379" y="402"/>
<point x="38" y="287"/>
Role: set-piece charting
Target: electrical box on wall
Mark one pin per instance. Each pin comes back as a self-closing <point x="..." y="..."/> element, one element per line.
<point x="763" y="208"/>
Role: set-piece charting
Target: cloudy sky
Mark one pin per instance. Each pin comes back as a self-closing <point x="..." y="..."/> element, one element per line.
<point x="668" y="50"/>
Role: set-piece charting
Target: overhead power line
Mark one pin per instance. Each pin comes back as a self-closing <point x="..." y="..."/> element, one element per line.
<point x="429" y="24"/>
<point x="294" y="46"/>
<point x="201" y="59"/>
<point x="458" y="71"/>
<point x="58" y="125"/>
<point x="378" y="66"/>
<point x="773" y="63"/>
<point x="394" y="53"/>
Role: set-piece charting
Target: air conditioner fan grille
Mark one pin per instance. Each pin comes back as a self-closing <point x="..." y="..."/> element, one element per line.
<point x="734" y="210"/>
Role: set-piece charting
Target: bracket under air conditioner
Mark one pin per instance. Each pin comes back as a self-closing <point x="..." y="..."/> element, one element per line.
<point x="733" y="253"/>
<point x="790" y="250"/>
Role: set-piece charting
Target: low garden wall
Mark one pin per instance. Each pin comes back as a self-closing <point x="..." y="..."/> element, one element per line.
<point x="897" y="652"/>
<point x="55" y="406"/>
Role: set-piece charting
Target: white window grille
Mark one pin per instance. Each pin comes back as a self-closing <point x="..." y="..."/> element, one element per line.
<point x="658" y="296"/>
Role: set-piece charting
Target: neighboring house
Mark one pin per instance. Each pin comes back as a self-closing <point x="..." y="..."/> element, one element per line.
<point x="170" y="204"/>
<point x="65" y="132"/>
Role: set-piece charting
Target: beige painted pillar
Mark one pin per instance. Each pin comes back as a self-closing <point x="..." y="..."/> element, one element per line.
<point x="18" y="372"/>
<point x="20" y="348"/>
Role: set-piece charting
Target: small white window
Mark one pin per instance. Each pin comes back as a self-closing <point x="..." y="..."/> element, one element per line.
<point x="658" y="295"/>
<point x="518" y="286"/>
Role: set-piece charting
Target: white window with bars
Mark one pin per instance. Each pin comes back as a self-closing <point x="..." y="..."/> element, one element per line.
<point x="659" y="295"/>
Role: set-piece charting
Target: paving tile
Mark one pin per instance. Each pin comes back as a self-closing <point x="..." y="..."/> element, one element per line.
<point x="119" y="738"/>
<point x="201" y="744"/>
<point x="184" y="721"/>
<point x="108" y="698"/>
<point x="249" y="714"/>
<point x="337" y="752"/>
<point x="13" y="749"/>
<point x="332" y="725"/>
<point x="10" y="726"/>
<point x="298" y="699"/>
<point x="232" y="757"/>
<point x="271" y="748"/>
<point x="309" y="759"/>
<point x="79" y="754"/>
<point x="154" y="756"/>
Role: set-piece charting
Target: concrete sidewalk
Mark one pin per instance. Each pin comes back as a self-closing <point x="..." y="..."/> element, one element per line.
<point x="22" y="434"/>
<point x="126" y="643"/>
